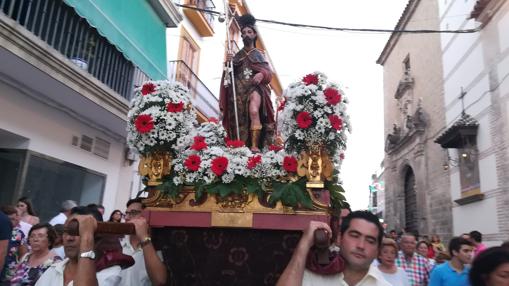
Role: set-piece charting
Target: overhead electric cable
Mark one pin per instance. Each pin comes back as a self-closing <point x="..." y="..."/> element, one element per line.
<point x="419" y="31"/>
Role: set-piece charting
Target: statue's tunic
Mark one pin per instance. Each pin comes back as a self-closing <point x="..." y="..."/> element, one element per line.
<point x="246" y="65"/>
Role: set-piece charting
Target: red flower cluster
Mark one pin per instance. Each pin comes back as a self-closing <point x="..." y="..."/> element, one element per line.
<point x="193" y="162"/>
<point x="342" y="156"/>
<point x="290" y="164"/>
<point x="332" y="96"/>
<point x="147" y="88"/>
<point x="175" y="107"/>
<point x="336" y="122"/>
<point x="144" y="123"/>
<point x="253" y="161"/>
<point x="199" y="143"/>
<point x="275" y="148"/>
<point x="213" y="120"/>
<point x="235" y="143"/>
<point x="310" y="79"/>
<point x="219" y="165"/>
<point x="304" y="119"/>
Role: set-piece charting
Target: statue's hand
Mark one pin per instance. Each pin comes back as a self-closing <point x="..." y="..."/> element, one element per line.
<point x="229" y="56"/>
<point x="257" y="78"/>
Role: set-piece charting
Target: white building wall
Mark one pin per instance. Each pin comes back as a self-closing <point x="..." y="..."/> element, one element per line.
<point x="50" y="131"/>
<point x="479" y="62"/>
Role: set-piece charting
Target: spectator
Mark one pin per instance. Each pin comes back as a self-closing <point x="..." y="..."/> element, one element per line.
<point x="335" y="223"/>
<point x="148" y="268"/>
<point x="394" y="275"/>
<point x="17" y="244"/>
<point x="99" y="208"/>
<point x="65" y="212"/>
<point x="41" y="238"/>
<point x="466" y="236"/>
<point x="416" y="266"/>
<point x="5" y="237"/>
<point x="393" y="235"/>
<point x="361" y="236"/>
<point x="491" y="268"/>
<point x="27" y="212"/>
<point x="454" y="272"/>
<point x="58" y="246"/>
<point x="423" y="248"/>
<point x="116" y="216"/>
<point x="438" y="246"/>
<point x="476" y="239"/>
<point x="80" y="265"/>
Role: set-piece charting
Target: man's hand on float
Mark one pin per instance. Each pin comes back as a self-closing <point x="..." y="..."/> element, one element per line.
<point x="257" y="78"/>
<point x="141" y="227"/>
<point x="307" y="239"/>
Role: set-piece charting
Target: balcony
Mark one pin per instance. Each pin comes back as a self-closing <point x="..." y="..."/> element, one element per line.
<point x="59" y="26"/>
<point x="202" y="98"/>
<point x="202" y="21"/>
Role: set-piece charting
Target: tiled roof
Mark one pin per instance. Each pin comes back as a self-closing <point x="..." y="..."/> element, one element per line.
<point x="453" y="136"/>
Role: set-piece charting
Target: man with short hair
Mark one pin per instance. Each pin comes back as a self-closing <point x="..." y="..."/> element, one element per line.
<point x="361" y="236"/>
<point x="148" y="268"/>
<point x="416" y="266"/>
<point x="65" y="212"/>
<point x="476" y="239"/>
<point x="455" y="272"/>
<point x="79" y="268"/>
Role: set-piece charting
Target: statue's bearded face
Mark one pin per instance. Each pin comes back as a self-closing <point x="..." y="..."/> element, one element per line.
<point x="248" y="35"/>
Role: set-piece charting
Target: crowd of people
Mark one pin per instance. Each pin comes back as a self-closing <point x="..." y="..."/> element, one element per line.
<point x="372" y="257"/>
<point x="48" y="253"/>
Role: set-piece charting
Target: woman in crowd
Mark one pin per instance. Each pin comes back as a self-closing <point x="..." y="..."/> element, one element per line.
<point x="438" y="246"/>
<point x="17" y="245"/>
<point x="491" y="268"/>
<point x="423" y="248"/>
<point x="116" y="216"/>
<point x="41" y="238"/>
<point x="394" y="275"/>
<point x="26" y="211"/>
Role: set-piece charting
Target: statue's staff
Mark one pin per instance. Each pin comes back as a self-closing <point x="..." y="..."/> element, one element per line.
<point x="230" y="76"/>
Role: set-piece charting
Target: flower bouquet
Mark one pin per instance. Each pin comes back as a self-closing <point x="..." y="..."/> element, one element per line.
<point x="160" y="115"/>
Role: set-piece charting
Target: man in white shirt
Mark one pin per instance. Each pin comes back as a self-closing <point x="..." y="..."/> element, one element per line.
<point x="65" y="212"/>
<point x="361" y="235"/>
<point x="79" y="268"/>
<point x="148" y="268"/>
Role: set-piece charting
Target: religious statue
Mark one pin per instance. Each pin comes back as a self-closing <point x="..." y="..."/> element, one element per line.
<point x="251" y="77"/>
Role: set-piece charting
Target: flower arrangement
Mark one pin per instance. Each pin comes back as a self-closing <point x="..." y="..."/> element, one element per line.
<point x="160" y="117"/>
<point x="314" y="112"/>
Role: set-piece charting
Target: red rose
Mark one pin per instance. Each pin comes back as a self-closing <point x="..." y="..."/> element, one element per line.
<point x="332" y="95"/>
<point x="199" y="143"/>
<point x="336" y="122"/>
<point x="235" y="143"/>
<point x="290" y="164"/>
<point x="281" y="105"/>
<point x="304" y="119"/>
<point x="148" y="88"/>
<point x="253" y="161"/>
<point x="175" y="107"/>
<point x="193" y="162"/>
<point x="144" y="123"/>
<point x="275" y="148"/>
<point x="213" y="120"/>
<point x="310" y="79"/>
<point x="342" y="156"/>
<point x="219" y="165"/>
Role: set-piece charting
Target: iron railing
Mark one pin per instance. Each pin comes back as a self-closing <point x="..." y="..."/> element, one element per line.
<point x="63" y="29"/>
<point x="203" y="98"/>
<point x="207" y="5"/>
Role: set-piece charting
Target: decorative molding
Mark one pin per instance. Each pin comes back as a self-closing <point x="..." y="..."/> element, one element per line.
<point x="406" y="83"/>
<point x="415" y="125"/>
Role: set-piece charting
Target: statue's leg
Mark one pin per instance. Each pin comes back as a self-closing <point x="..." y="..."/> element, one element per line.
<point x="254" y="116"/>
